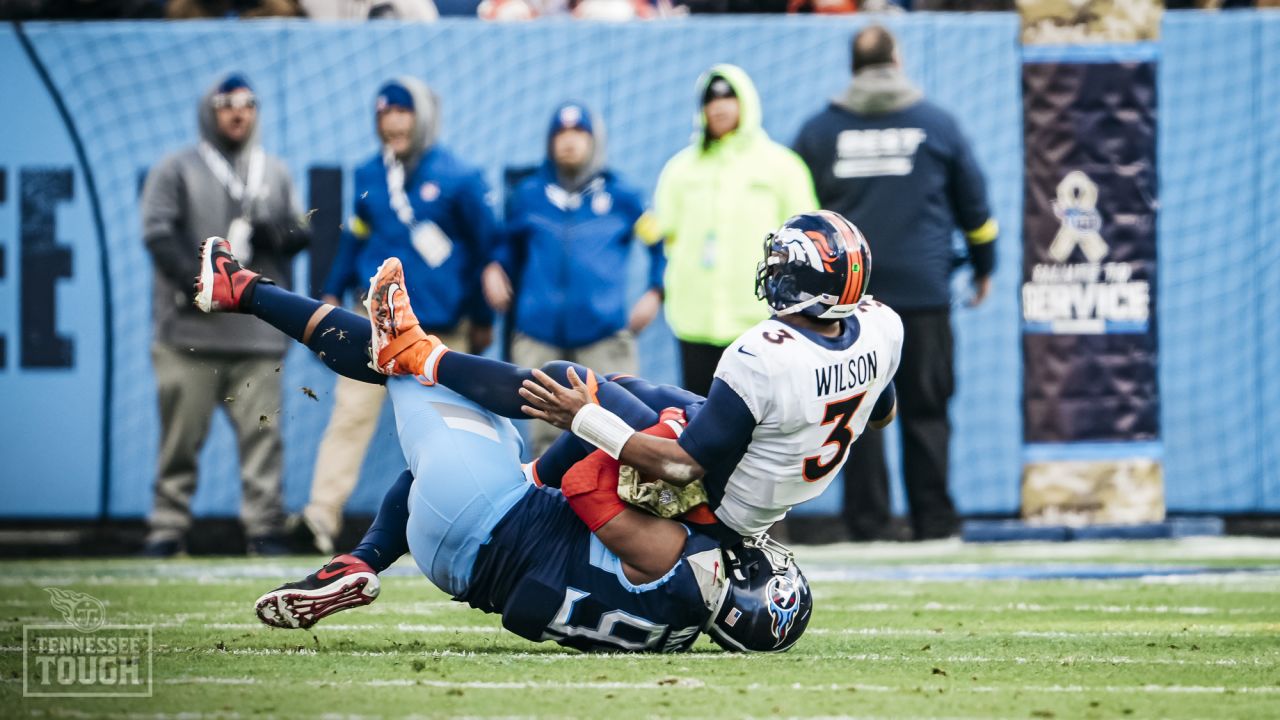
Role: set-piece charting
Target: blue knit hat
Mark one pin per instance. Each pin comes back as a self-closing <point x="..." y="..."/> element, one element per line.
<point x="233" y="82"/>
<point x="393" y="94"/>
<point x="571" y="115"/>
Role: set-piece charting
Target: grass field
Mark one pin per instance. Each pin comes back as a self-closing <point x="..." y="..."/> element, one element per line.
<point x="1165" y="629"/>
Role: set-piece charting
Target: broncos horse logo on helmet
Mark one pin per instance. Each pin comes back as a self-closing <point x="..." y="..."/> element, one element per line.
<point x="766" y="603"/>
<point x="818" y="264"/>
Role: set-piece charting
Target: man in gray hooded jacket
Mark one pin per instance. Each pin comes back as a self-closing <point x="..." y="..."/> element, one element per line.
<point x="898" y="166"/>
<point x="225" y="185"/>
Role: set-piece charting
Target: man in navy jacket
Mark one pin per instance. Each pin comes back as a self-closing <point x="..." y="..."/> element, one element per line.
<point x="416" y="201"/>
<point x="568" y="240"/>
<point x="899" y="167"/>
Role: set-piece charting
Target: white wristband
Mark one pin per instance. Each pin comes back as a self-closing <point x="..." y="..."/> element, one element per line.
<point x="602" y="428"/>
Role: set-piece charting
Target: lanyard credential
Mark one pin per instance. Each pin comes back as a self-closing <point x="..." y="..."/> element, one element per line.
<point x="241" y="191"/>
<point x="428" y="239"/>
<point x="240" y="233"/>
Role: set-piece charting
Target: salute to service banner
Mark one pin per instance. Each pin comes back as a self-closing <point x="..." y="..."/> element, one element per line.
<point x="1090" y="400"/>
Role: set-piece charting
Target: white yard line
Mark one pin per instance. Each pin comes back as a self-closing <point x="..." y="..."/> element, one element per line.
<point x="1181" y="550"/>
<point x="674" y="683"/>
<point x="1040" y="608"/>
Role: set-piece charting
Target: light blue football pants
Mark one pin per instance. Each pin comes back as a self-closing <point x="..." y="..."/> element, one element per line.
<point x="467" y="476"/>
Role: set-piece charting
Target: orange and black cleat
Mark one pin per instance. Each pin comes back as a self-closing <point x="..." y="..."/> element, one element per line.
<point x="400" y="346"/>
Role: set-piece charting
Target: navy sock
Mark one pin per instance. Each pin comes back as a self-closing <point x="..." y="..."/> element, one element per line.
<point x="387" y="538"/>
<point x="658" y="397"/>
<point x="494" y="385"/>
<point x="491" y="384"/>
<point x="569" y="449"/>
<point x="340" y="339"/>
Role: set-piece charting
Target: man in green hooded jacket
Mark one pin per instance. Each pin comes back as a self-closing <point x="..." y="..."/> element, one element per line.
<point x="716" y="201"/>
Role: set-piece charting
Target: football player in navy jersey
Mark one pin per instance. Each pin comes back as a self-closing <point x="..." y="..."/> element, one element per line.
<point x="789" y="398"/>
<point x="576" y="566"/>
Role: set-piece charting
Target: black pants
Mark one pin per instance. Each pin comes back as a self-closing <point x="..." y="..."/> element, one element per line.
<point x="924" y="383"/>
<point x="698" y="362"/>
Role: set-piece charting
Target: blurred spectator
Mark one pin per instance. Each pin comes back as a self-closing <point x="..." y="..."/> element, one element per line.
<point x="200" y="9"/>
<point x="408" y="10"/>
<point x="226" y="185"/>
<point x="822" y="7"/>
<point x="716" y="201"/>
<point x="899" y="167"/>
<point x="568" y="242"/>
<point x="81" y="9"/>
<point x="414" y="200"/>
<point x="699" y="7"/>
<point x="605" y="10"/>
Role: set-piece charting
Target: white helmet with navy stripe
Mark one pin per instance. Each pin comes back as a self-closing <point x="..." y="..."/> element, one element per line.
<point x="817" y="264"/>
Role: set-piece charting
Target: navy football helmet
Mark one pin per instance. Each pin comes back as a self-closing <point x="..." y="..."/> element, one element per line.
<point x="767" y="602"/>
<point x="818" y="264"/>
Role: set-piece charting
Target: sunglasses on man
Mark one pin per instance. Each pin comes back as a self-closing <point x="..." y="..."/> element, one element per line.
<point x="236" y="100"/>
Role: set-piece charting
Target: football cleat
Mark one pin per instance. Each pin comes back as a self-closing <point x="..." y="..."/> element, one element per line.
<point x="223" y="283"/>
<point x="400" y="346"/>
<point x="345" y="582"/>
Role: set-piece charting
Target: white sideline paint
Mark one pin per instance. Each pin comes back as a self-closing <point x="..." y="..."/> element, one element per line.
<point x="1039" y="608"/>
<point x="694" y="684"/>
<point x="557" y="657"/>
<point x="1197" y="631"/>
<point x="1180" y="549"/>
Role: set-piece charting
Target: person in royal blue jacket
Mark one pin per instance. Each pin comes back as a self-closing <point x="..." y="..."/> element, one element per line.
<point x="416" y="201"/>
<point x="568" y="240"/>
<point x="898" y="166"/>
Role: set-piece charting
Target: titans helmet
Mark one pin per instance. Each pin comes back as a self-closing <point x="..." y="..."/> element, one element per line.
<point x="817" y="264"/>
<point x="767" y="602"/>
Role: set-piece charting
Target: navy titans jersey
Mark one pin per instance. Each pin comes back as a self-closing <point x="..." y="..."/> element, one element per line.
<point x="551" y="579"/>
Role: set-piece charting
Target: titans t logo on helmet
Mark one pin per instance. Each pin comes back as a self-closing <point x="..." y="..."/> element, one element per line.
<point x="784" y="601"/>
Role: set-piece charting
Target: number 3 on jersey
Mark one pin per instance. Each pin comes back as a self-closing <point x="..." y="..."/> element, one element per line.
<point x="841" y="413"/>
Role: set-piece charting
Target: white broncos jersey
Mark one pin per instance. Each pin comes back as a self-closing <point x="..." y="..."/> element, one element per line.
<point x="810" y="403"/>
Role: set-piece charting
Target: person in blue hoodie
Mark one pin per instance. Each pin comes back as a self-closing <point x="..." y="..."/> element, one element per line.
<point x="568" y="241"/>
<point x="416" y="201"/>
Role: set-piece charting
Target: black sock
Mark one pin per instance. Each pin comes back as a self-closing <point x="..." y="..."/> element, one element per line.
<point x="387" y="538"/>
<point x="340" y="339"/>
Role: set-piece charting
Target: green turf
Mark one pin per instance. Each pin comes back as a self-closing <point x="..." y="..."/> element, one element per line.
<point x="1207" y="646"/>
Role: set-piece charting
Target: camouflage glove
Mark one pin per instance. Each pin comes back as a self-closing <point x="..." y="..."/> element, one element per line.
<point x="659" y="496"/>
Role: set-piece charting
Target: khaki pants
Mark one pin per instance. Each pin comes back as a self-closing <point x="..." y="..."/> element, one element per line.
<point x="356" y="406"/>
<point x="190" y="386"/>
<point x="614" y="354"/>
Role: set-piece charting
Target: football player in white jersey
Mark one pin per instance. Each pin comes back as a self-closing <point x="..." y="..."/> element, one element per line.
<point x="790" y="395"/>
<point x="789" y="398"/>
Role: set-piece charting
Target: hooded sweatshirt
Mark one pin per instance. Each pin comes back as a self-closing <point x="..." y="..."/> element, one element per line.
<point x="448" y="238"/>
<point x="900" y="169"/>
<point x="715" y="203"/>
<point x="568" y="242"/>
<point x="184" y="202"/>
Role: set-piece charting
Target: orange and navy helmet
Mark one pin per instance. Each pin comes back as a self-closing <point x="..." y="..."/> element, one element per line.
<point x="818" y="264"/>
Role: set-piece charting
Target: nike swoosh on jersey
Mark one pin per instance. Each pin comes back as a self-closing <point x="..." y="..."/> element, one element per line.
<point x="744" y="351"/>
